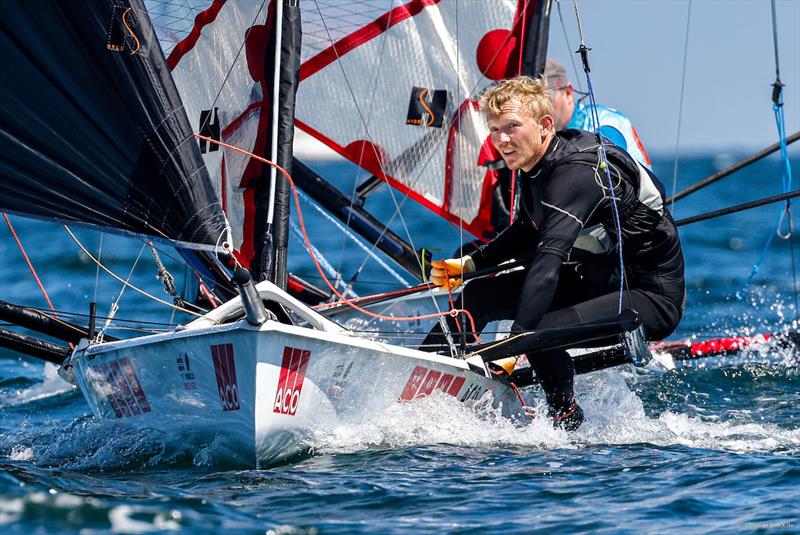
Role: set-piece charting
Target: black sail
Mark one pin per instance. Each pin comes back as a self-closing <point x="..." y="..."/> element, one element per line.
<point x="92" y="129"/>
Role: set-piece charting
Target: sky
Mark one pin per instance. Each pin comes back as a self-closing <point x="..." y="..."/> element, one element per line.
<point x="637" y="67"/>
<point x="637" y="60"/>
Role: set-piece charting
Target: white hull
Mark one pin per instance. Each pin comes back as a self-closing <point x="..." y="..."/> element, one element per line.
<point x="263" y="391"/>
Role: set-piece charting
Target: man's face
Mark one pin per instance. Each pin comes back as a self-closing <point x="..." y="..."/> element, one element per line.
<point x="563" y="106"/>
<point x="519" y="138"/>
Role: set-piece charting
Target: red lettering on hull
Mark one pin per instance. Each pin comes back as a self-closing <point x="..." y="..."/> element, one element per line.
<point x="125" y="393"/>
<point x="290" y="382"/>
<point x="423" y="381"/>
<point x="225" y="370"/>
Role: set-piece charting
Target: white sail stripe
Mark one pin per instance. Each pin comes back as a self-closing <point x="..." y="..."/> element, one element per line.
<point x="554" y="207"/>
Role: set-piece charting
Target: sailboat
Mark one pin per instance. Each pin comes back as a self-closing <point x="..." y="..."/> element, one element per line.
<point x="99" y="130"/>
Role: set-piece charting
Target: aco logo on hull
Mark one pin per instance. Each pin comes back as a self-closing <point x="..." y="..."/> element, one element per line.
<point x="225" y="370"/>
<point x="290" y="382"/>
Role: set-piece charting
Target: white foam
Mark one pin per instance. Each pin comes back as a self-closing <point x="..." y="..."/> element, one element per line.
<point x="51" y="385"/>
<point x="614" y="415"/>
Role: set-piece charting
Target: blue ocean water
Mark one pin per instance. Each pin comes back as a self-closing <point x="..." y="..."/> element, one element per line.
<point x="693" y="450"/>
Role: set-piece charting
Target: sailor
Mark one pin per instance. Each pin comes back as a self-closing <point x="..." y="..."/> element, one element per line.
<point x="567" y="113"/>
<point x="614" y="125"/>
<point x="567" y="230"/>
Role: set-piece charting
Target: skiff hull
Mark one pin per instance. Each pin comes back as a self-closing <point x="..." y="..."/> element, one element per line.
<point x="262" y="393"/>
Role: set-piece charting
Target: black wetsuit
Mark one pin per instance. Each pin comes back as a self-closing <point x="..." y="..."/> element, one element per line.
<point x="565" y="198"/>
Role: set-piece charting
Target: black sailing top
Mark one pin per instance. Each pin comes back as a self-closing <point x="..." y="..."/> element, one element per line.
<point x="566" y="214"/>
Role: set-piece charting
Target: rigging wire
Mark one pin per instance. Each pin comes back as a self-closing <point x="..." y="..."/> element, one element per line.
<point x="602" y="163"/>
<point x="785" y="215"/>
<point x="364" y="121"/>
<point x="369" y="136"/>
<point x="118" y="278"/>
<point x="97" y="268"/>
<point x="576" y="76"/>
<point x="680" y="109"/>
<point x="230" y="69"/>
<point x="115" y="304"/>
<point x="354" y="189"/>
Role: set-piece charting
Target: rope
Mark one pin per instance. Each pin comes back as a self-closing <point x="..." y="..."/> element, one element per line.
<point x="332" y="272"/>
<point x="369" y="252"/>
<point x="602" y="158"/>
<point x="785" y="214"/>
<point x="30" y="264"/>
<point x="343" y="299"/>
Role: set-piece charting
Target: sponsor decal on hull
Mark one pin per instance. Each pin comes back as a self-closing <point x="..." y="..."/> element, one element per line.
<point x="424" y="381"/>
<point x="290" y="382"/>
<point x="186" y="373"/>
<point x="124" y="393"/>
<point x="225" y="370"/>
<point x="335" y="387"/>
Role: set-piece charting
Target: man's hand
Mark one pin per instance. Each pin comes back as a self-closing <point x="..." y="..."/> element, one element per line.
<point x="447" y="273"/>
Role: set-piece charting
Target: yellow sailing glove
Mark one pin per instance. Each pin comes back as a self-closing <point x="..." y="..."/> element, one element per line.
<point x="447" y="273"/>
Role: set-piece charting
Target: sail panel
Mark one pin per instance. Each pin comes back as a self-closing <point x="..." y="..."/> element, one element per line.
<point x="223" y="73"/>
<point x="397" y="95"/>
<point x="92" y="128"/>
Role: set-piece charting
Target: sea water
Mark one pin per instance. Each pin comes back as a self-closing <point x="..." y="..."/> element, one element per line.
<point x="694" y="450"/>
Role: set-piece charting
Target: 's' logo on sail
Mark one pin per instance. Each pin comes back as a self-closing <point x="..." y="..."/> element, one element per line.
<point x="290" y="382"/>
<point x="426" y="107"/>
<point x="225" y="370"/>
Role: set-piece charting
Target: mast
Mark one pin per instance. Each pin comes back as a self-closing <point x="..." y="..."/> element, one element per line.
<point x="536" y="28"/>
<point x="270" y="262"/>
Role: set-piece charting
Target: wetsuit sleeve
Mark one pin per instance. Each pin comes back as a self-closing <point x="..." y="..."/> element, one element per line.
<point x="517" y="241"/>
<point x="538" y="291"/>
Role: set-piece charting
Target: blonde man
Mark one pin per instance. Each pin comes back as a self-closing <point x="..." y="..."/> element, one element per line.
<point x="566" y="229"/>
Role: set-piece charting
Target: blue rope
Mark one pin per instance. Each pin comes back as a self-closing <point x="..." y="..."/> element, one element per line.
<point x="786" y="185"/>
<point x="604" y="165"/>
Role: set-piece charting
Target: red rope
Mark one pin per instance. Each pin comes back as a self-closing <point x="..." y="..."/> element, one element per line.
<point x="30" y="265"/>
<point x="342" y="298"/>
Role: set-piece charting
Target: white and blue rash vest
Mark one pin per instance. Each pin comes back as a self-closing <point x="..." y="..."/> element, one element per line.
<point x="614" y="126"/>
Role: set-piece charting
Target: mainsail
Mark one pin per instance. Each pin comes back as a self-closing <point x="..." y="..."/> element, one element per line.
<point x="92" y="127"/>
<point x="390" y="85"/>
<point x="397" y="93"/>
<point x="222" y="59"/>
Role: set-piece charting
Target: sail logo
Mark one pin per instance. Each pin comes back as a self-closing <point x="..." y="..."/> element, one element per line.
<point x="124" y="392"/>
<point x="225" y="370"/>
<point x="423" y="382"/>
<point x="290" y="381"/>
<point x="427" y="108"/>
